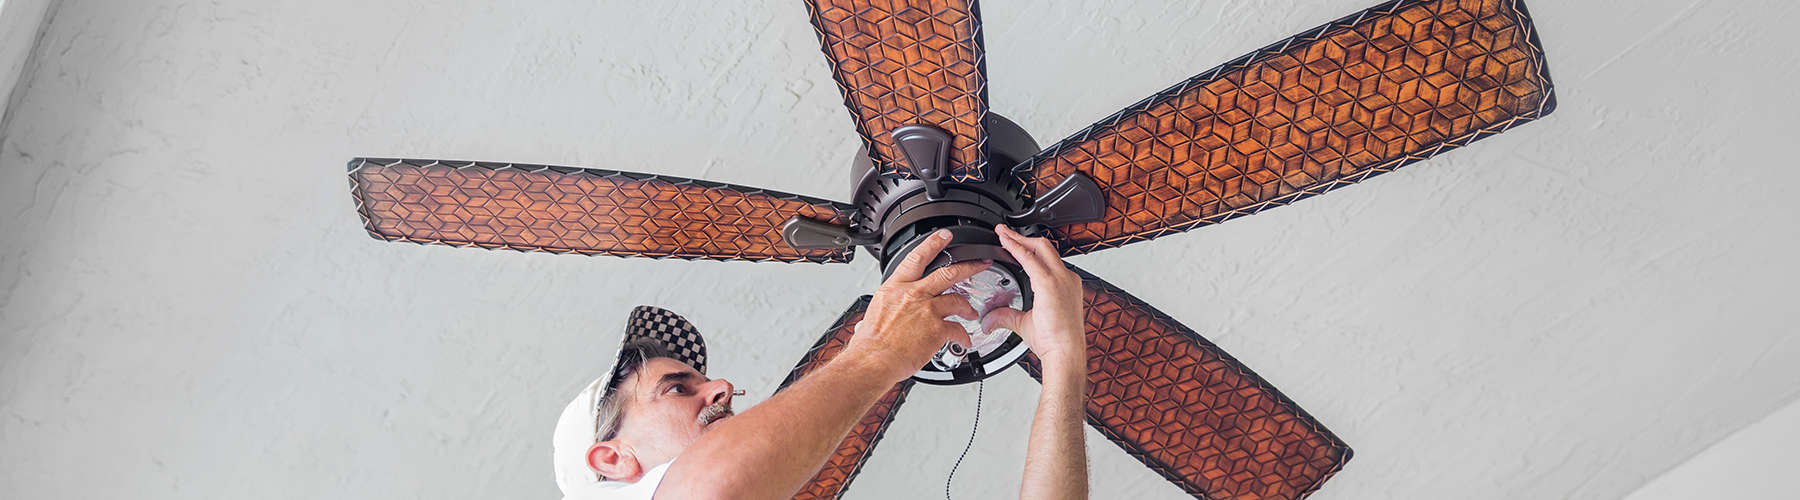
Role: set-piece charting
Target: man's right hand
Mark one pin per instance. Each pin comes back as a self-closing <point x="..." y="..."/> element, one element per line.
<point x="772" y="449"/>
<point x="904" y="325"/>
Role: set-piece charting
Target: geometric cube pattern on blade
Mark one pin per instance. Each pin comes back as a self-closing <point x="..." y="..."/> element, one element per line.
<point x="859" y="444"/>
<point x="1191" y="412"/>
<point x="906" y="63"/>
<point x="1331" y="107"/>
<point x="577" y="210"/>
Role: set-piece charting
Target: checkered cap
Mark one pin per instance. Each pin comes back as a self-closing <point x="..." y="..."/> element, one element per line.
<point x="671" y="330"/>
<point x="575" y="429"/>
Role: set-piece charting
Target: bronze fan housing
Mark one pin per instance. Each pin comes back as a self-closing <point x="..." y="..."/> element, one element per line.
<point x="899" y="212"/>
<point x="1364" y="95"/>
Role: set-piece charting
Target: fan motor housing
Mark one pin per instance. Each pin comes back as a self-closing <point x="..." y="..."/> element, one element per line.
<point x="902" y="209"/>
<point x="902" y="212"/>
<point x="894" y="215"/>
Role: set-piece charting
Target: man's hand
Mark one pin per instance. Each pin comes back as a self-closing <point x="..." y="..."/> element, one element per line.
<point x="1054" y="328"/>
<point x="1056" y="457"/>
<point x="772" y="449"/>
<point x="905" y="324"/>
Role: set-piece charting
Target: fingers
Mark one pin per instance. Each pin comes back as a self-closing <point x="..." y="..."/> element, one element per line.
<point x="1014" y="243"/>
<point x="1043" y="252"/>
<point x="1039" y="248"/>
<point x="944" y="306"/>
<point x="943" y="278"/>
<point x="1005" y="317"/>
<point x="1045" y="248"/>
<point x="953" y="305"/>
<point x="913" y="266"/>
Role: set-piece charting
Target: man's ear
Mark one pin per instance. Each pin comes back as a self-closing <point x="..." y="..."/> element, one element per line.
<point x="614" y="461"/>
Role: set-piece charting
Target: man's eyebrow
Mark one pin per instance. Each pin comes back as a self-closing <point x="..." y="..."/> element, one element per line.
<point x="670" y="378"/>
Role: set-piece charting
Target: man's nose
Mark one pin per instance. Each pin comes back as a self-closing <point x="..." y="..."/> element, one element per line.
<point x="720" y="391"/>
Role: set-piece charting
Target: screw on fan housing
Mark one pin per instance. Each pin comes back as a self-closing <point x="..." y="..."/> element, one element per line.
<point x="893" y="215"/>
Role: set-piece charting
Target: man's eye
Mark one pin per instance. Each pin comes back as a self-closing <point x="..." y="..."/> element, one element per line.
<point x="677" y="389"/>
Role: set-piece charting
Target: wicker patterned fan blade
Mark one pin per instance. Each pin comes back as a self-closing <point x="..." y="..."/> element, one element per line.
<point x="907" y="63"/>
<point x="843" y="464"/>
<point x="577" y="210"/>
<point x="1192" y="413"/>
<point x="1349" y="100"/>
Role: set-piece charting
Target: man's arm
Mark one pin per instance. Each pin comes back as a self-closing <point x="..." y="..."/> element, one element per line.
<point x="773" y="448"/>
<point x="1056" y="458"/>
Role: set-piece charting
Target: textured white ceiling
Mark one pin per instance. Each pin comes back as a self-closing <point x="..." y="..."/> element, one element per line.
<point x="189" y="307"/>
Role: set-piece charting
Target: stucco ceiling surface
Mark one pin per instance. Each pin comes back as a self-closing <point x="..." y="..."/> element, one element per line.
<point x="189" y="307"/>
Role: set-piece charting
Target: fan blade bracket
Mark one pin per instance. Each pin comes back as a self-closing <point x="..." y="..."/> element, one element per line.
<point x="1075" y="200"/>
<point x="811" y="234"/>
<point x="926" y="150"/>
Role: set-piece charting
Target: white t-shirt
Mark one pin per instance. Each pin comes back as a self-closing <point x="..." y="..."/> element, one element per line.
<point x="620" y="490"/>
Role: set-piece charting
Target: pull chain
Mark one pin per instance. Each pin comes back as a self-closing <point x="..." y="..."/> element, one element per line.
<point x="965" y="452"/>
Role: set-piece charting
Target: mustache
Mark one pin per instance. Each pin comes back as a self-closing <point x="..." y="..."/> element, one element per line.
<point x="714" y="412"/>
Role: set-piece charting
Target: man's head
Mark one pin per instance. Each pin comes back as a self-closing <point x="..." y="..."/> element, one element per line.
<point x="658" y="407"/>
<point x="652" y="403"/>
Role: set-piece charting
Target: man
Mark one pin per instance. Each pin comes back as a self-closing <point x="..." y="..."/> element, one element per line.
<point x="655" y="425"/>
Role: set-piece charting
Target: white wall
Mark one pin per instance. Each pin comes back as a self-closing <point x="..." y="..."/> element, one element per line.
<point x="1758" y="461"/>
<point x="189" y="307"/>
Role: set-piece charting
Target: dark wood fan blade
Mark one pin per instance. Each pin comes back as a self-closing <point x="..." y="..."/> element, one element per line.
<point x="1191" y="412"/>
<point x="909" y="63"/>
<point x="842" y="466"/>
<point x="578" y="210"/>
<point x="1349" y="100"/>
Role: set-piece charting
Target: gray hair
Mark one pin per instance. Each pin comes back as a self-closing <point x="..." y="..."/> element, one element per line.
<point x="611" y="410"/>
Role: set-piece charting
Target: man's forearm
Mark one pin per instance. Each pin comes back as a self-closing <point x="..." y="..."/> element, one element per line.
<point x="1056" y="458"/>
<point x="773" y="448"/>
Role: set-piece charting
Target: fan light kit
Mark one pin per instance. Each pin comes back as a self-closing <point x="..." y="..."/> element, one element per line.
<point x="894" y="214"/>
<point x="1333" y="106"/>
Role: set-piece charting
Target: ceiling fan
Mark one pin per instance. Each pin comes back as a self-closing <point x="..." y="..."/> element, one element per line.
<point x="1363" y="95"/>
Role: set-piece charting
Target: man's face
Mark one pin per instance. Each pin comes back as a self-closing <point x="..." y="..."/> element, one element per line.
<point x="670" y="406"/>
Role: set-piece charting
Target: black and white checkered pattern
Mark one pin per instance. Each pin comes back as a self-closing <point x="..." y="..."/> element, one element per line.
<point x="667" y="328"/>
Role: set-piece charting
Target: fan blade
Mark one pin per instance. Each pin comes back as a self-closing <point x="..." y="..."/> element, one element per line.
<point x="842" y="466"/>
<point x="1189" y="411"/>
<point x="1346" y="101"/>
<point x="579" y="210"/>
<point x="909" y="63"/>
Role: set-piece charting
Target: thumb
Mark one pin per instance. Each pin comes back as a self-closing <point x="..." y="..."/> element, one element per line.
<point x="1005" y="317"/>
